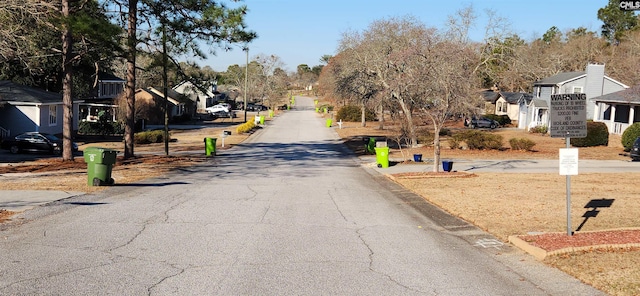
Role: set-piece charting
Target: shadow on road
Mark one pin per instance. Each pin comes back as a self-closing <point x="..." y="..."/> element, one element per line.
<point x="273" y="160"/>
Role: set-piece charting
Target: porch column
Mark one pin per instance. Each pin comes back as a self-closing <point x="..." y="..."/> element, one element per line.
<point x="596" y="112"/>
<point x="632" y="114"/>
<point x="613" y="114"/>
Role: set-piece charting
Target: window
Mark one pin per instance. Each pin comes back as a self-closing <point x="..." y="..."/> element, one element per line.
<point x="502" y="107"/>
<point x="53" y="115"/>
<point x="577" y="89"/>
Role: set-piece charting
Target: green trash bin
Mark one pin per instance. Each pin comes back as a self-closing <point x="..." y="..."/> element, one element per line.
<point x="271" y="113"/>
<point x="329" y="122"/>
<point x="371" y="145"/>
<point x="262" y="119"/>
<point x="210" y="146"/>
<point x="100" y="163"/>
<point x="382" y="156"/>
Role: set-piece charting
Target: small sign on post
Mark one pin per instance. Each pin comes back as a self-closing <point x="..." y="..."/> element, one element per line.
<point x="568" y="162"/>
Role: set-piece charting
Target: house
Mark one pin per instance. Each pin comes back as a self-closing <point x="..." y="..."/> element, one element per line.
<point x="150" y="105"/>
<point x="592" y="82"/>
<point x="28" y="109"/>
<point x="618" y="110"/>
<point x="201" y="96"/>
<point x="103" y="97"/>
<point x="505" y="103"/>
<point x="108" y="87"/>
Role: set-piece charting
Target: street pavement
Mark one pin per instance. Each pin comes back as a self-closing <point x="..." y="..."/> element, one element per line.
<point x="21" y="200"/>
<point x="289" y="212"/>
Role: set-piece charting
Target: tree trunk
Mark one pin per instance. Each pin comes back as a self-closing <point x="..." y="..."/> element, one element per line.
<point x="130" y="91"/>
<point x="413" y="139"/>
<point x="436" y="148"/>
<point x="67" y="86"/>
<point x="380" y="117"/>
<point x="363" y="115"/>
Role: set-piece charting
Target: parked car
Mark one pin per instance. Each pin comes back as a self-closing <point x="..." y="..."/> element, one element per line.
<point x="35" y="142"/>
<point x="256" y="107"/>
<point x="223" y="114"/>
<point x="635" y="150"/>
<point x="482" y="122"/>
<point x="217" y="108"/>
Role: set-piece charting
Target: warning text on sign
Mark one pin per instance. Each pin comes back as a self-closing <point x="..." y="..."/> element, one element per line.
<point x="568" y="116"/>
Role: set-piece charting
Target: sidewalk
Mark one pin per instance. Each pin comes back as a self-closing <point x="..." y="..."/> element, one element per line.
<point x="21" y="200"/>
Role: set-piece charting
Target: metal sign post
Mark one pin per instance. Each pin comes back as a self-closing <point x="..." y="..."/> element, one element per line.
<point x="568" y="119"/>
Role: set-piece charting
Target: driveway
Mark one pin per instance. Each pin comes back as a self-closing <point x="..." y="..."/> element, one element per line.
<point x="291" y="212"/>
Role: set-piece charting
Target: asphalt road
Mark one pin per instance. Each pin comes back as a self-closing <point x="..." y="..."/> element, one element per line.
<point x="291" y="212"/>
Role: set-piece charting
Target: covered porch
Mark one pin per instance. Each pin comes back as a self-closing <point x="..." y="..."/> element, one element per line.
<point x="618" y="110"/>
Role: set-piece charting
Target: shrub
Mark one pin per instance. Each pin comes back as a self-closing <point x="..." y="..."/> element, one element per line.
<point x="445" y="132"/>
<point x="100" y="128"/>
<point x="540" y="129"/>
<point x="597" y="135"/>
<point x="148" y="137"/>
<point x="425" y="137"/>
<point x="477" y="140"/>
<point x="353" y="113"/>
<point x="245" y="127"/>
<point x="501" y="119"/>
<point x="630" y="135"/>
<point x="329" y="107"/>
<point x="521" y="144"/>
<point x="454" y="143"/>
<point x="180" y="119"/>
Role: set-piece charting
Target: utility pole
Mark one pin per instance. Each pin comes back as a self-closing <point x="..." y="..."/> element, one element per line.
<point x="246" y="81"/>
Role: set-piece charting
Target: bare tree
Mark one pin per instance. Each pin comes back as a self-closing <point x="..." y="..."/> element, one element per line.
<point x="450" y="85"/>
<point x="351" y="82"/>
<point x="270" y="86"/>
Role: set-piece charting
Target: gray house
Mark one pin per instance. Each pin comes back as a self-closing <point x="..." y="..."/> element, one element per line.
<point x="618" y="110"/>
<point x="28" y="109"/>
<point x="591" y="82"/>
<point x="201" y="96"/>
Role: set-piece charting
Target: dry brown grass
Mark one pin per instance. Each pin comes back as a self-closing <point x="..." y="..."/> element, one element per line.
<point x="512" y="204"/>
<point x="515" y="204"/>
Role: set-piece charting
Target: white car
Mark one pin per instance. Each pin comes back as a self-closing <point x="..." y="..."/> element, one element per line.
<point x="217" y="108"/>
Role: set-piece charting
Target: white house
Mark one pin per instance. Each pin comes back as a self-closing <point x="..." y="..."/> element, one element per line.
<point x="505" y="103"/>
<point x="28" y="109"/>
<point x="592" y="82"/>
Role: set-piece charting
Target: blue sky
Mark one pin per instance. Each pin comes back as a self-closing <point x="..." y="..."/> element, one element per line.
<point x="302" y="31"/>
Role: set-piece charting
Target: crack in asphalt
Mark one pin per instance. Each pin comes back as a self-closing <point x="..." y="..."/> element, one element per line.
<point x="337" y="207"/>
<point x="371" y="261"/>
<point x="58" y="274"/>
<point x="179" y="272"/>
